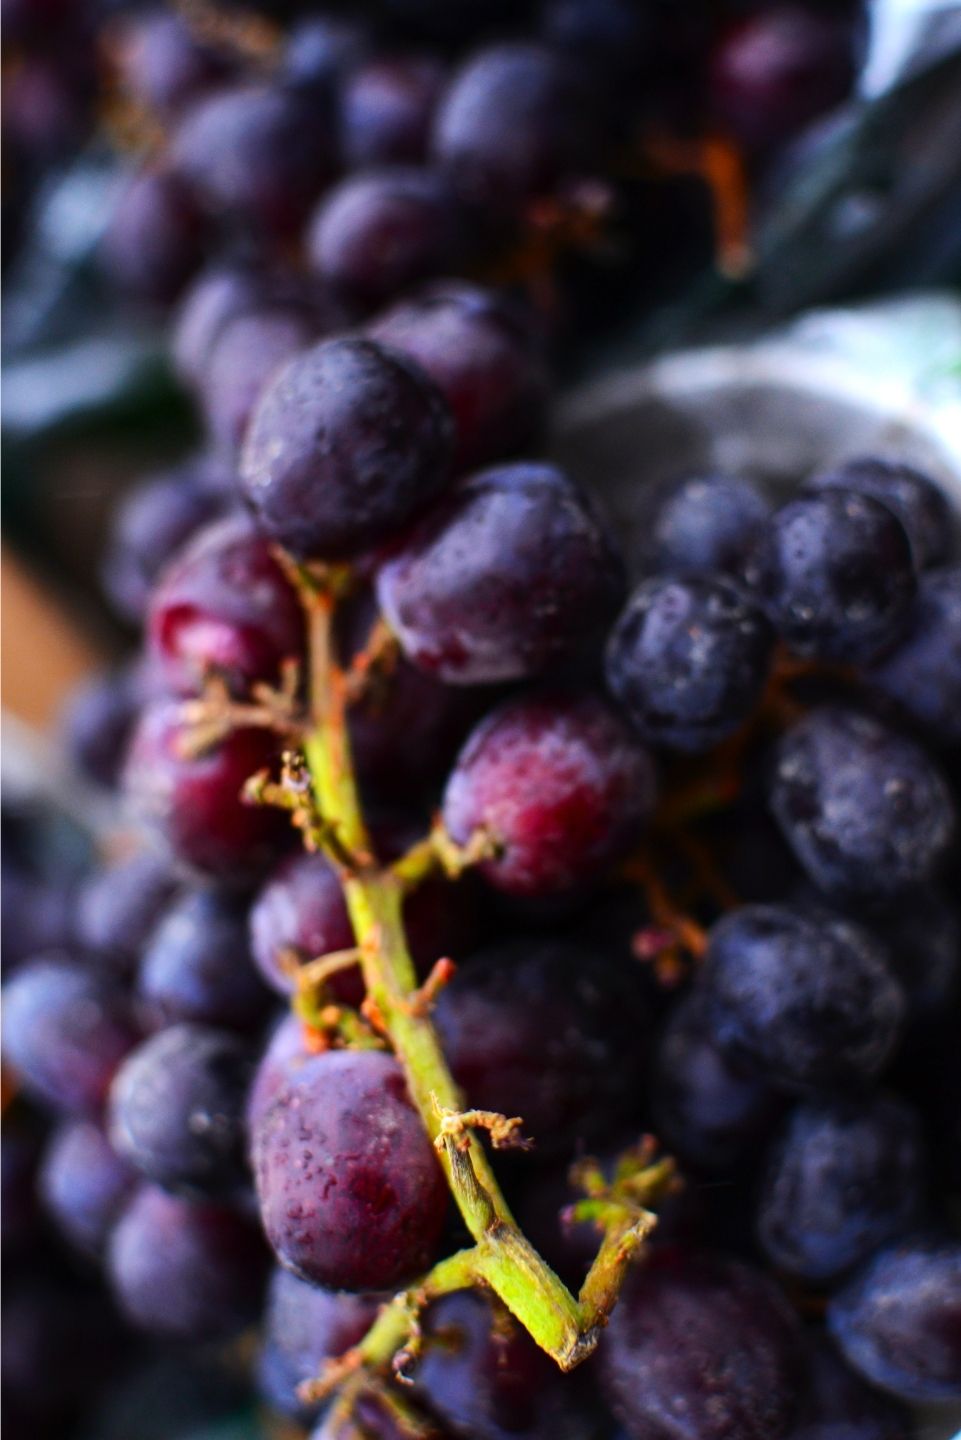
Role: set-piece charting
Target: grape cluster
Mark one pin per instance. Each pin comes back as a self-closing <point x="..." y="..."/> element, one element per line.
<point x="596" y="858"/>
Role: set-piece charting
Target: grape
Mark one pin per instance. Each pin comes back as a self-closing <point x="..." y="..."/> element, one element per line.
<point x="833" y="570"/>
<point x="922" y="933"/>
<point x="119" y="906"/>
<point x="21" y="1146"/>
<point x="386" y="107"/>
<point x="284" y="1055"/>
<point x="249" y="350"/>
<point x="864" y="809"/>
<point x="614" y="35"/>
<point x="258" y="154"/>
<point x="348" y="441"/>
<point x="177" y="1106"/>
<point x="776" y="69"/>
<point x="706" y="523"/>
<point x="491" y="1382"/>
<point x="303" y="1327"/>
<point x="560" y="787"/>
<point x="351" y="1192"/>
<point x="923" y="674"/>
<point x="688" y="659"/>
<point x="837" y="1405"/>
<point x="223" y="605"/>
<point x="371" y="1415"/>
<point x="483" y="356"/>
<point x="38" y="914"/>
<point x="321" y="48"/>
<point x="844" y="1177"/>
<point x="151" y="522"/>
<point x="458" y="592"/>
<point x="912" y="496"/>
<point x="65" y="1031"/>
<point x="217" y="295"/>
<point x="164" y="65"/>
<point x="188" y="1271"/>
<point x="155" y="237"/>
<point x="84" y="1184"/>
<point x="514" y="122"/>
<point x="678" y="1314"/>
<point x="898" y="1321"/>
<point x="707" y="1111"/>
<point x="380" y="231"/>
<point x="195" y="802"/>
<point x="550" y="1031"/>
<point x="197" y="965"/>
<point x="97" y="721"/>
<point x="807" y="999"/>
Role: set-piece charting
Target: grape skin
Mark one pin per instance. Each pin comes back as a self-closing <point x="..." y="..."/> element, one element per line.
<point x="84" y="1184"/>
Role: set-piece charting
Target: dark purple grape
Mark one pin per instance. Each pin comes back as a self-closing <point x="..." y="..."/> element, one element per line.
<point x="614" y="35"/>
<point x="838" y="1405"/>
<point x="97" y="721"/>
<point x="249" y="351"/>
<point x="864" y="809"/>
<point x="177" y="1109"/>
<point x="833" y="569"/>
<point x="922" y="675"/>
<point x="514" y="122"/>
<point x="921" y="931"/>
<point x="65" y="1031"/>
<point x="845" y="1177"/>
<point x="484" y="356"/>
<point x="347" y="443"/>
<point x="303" y="1327"/>
<point x="679" y="1313"/>
<point x="558" y="784"/>
<point x="551" y="1032"/>
<point x="898" y="1321"/>
<point x="707" y="1111"/>
<point x="217" y="295"/>
<point x="197" y="965"/>
<point x="119" y="906"/>
<point x="688" y="660"/>
<point x="808" y="1000"/>
<point x="458" y="593"/>
<point x="21" y="1147"/>
<point x="195" y="803"/>
<point x="387" y="104"/>
<point x="320" y="49"/>
<point x="706" y="523"/>
<point x="165" y="65"/>
<point x="380" y="231"/>
<point x="284" y="1055"/>
<point x="84" y="1184"/>
<point x="491" y="1382"/>
<point x="155" y="237"/>
<point x="188" y="1271"/>
<point x="224" y="605"/>
<point x="352" y="1195"/>
<point x="780" y="66"/>
<point x="258" y="154"/>
<point x="918" y="502"/>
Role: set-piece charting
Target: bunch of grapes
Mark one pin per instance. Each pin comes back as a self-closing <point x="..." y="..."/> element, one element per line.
<point x="532" y="1002"/>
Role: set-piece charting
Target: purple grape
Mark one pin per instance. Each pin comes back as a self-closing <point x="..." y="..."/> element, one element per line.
<point x="546" y="1030"/>
<point x="918" y="502"/>
<point x="707" y="1111"/>
<point x="922" y="675"/>
<point x="865" y="810"/>
<point x="484" y="357"/>
<point x="807" y="1000"/>
<point x="177" y="1109"/>
<point x="286" y="1052"/>
<point x="321" y="48"/>
<point x="845" y="1177"/>
<point x="706" y="523"/>
<point x="250" y="349"/>
<point x="678" y="1313"/>
<point x="258" y="154"/>
<point x="195" y="803"/>
<point x="84" y="1184"/>
<point x="387" y="104"/>
<point x="833" y="569"/>
<point x="119" y="906"/>
<point x="898" y="1321"/>
<point x="458" y="593"/>
<point x="155" y="237"/>
<point x="347" y="443"/>
<point x="223" y="605"/>
<point x="303" y="1327"/>
<point x="187" y="1271"/>
<point x="21" y="1147"/>
<point x="838" y="1405"/>
<point x="65" y="1031"/>
<point x="380" y="231"/>
<point x="97" y="722"/>
<point x="614" y="35"/>
<point x="352" y="1195"/>
<point x="558" y="784"/>
<point x="921" y="931"/>
<point x="217" y="295"/>
<point x="688" y="660"/>
<point x="197" y="965"/>
<point x="164" y="65"/>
